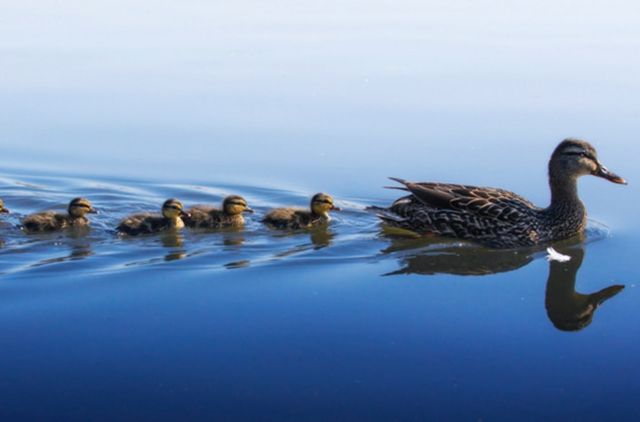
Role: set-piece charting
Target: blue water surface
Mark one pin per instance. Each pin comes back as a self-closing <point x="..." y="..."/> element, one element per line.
<point x="130" y="103"/>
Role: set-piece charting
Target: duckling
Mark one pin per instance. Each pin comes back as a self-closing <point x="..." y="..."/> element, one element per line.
<point x="293" y="218"/>
<point x="212" y="218"/>
<point x="172" y="211"/>
<point x="3" y="210"/>
<point x="49" y="221"/>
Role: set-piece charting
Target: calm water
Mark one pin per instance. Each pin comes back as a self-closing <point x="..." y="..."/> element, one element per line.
<point x="129" y="104"/>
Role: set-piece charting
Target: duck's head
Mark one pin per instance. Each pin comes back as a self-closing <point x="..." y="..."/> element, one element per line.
<point x="234" y="205"/>
<point x="78" y="207"/>
<point x="172" y="209"/>
<point x="3" y="210"/>
<point x="575" y="158"/>
<point x="322" y="203"/>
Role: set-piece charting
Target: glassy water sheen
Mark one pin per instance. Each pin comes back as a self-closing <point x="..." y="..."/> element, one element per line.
<point x="129" y="104"/>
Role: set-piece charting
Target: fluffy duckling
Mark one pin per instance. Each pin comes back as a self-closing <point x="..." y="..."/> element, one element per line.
<point x="212" y="218"/>
<point x="171" y="218"/>
<point x="49" y="221"/>
<point x="293" y="218"/>
<point x="3" y="210"/>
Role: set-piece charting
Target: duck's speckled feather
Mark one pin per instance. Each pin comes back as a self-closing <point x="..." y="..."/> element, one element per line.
<point x="494" y="217"/>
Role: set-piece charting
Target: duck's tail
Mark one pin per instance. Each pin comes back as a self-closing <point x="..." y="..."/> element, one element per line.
<point x="401" y="181"/>
<point x="385" y="214"/>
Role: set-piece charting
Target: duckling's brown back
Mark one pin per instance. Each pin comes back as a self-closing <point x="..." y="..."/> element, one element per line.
<point x="291" y="218"/>
<point x="44" y="221"/>
<point x="142" y="224"/>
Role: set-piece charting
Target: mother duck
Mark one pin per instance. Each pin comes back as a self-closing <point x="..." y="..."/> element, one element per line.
<point x="498" y="218"/>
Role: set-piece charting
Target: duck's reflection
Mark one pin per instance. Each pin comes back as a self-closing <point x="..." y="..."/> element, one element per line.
<point x="567" y="309"/>
<point x="445" y="259"/>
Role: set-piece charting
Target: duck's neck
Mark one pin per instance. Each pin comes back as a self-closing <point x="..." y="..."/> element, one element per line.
<point x="564" y="195"/>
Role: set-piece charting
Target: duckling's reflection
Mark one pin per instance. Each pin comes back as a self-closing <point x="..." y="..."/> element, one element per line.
<point x="80" y="242"/>
<point x="233" y="237"/>
<point x="321" y="237"/>
<point x="80" y="249"/>
<point x="567" y="309"/>
<point x="172" y="239"/>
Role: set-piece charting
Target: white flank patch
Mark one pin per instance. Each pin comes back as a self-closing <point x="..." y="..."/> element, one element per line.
<point x="556" y="256"/>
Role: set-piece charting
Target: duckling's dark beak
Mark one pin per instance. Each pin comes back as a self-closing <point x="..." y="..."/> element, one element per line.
<point x="4" y="210"/>
<point x="93" y="211"/>
<point x="249" y="210"/>
<point x="603" y="172"/>
<point x="185" y="214"/>
<point x="334" y="208"/>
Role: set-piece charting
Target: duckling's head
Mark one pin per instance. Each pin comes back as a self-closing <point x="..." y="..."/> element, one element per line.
<point x="234" y="205"/>
<point x="2" y="208"/>
<point x="78" y="207"/>
<point x="322" y="203"/>
<point x="574" y="158"/>
<point x="173" y="209"/>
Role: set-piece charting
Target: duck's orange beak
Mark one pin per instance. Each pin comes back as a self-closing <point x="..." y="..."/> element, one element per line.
<point x="604" y="172"/>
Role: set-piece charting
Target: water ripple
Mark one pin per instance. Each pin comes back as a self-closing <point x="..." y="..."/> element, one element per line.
<point x="353" y="235"/>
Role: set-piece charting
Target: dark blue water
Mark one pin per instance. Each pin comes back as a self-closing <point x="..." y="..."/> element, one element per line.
<point x="130" y="104"/>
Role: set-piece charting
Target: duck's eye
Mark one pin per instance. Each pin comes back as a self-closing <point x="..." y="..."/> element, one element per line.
<point x="581" y="154"/>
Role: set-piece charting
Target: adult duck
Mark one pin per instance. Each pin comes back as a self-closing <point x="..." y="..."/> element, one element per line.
<point x="496" y="217"/>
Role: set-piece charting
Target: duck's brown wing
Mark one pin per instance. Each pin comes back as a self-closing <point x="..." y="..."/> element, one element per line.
<point x="483" y="202"/>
